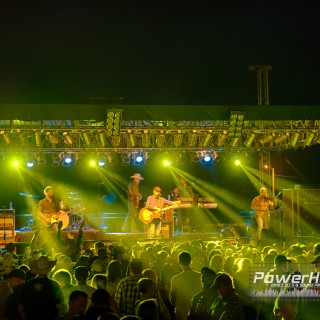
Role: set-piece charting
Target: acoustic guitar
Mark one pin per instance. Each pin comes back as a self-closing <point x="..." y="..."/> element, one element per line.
<point x="55" y="218"/>
<point x="146" y="215"/>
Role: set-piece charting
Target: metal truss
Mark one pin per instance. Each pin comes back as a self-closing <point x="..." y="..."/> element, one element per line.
<point x="83" y="136"/>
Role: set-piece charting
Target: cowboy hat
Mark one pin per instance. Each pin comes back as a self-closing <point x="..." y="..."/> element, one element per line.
<point x="138" y="176"/>
<point x="42" y="265"/>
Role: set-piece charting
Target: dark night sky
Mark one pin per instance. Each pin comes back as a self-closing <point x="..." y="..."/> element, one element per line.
<point x="162" y="52"/>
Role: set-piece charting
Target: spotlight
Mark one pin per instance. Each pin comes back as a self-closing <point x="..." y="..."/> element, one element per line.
<point x="206" y="159"/>
<point x="5" y="137"/>
<point x="145" y="139"/>
<point x="113" y="122"/>
<point x="249" y="140"/>
<point x="266" y="139"/>
<point x="177" y="139"/>
<point x="56" y="160"/>
<point x="192" y="139"/>
<point x="167" y="162"/>
<point x="280" y="139"/>
<point x="67" y="138"/>
<point x="85" y="138"/>
<point x="30" y="162"/>
<point x="237" y="162"/>
<point x="234" y="142"/>
<point x="236" y="124"/>
<point x="195" y="157"/>
<point x="67" y="161"/>
<point x="309" y="140"/>
<point x="126" y="160"/>
<point x="116" y="141"/>
<point x="221" y="139"/>
<point x="207" y="140"/>
<point x="295" y="139"/>
<point x="160" y="139"/>
<point x="37" y="138"/>
<point x="53" y="138"/>
<point x="138" y="159"/>
<point x="102" y="139"/>
<point x="131" y="139"/>
<point x="102" y="161"/>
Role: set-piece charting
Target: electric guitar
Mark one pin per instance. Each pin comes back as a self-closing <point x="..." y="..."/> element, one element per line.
<point x="146" y="215"/>
<point x="55" y="217"/>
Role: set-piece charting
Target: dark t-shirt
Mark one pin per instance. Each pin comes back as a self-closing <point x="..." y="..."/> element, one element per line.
<point x="40" y="297"/>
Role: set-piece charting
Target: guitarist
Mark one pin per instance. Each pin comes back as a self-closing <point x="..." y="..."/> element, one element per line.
<point x="156" y="203"/>
<point x="48" y="207"/>
<point x="130" y="223"/>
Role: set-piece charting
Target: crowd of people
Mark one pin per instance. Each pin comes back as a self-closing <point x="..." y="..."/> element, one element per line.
<point x="63" y="279"/>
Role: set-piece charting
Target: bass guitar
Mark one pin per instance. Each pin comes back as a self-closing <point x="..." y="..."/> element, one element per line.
<point x="146" y="215"/>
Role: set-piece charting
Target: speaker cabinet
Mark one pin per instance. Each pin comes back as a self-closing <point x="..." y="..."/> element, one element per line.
<point x="7" y="225"/>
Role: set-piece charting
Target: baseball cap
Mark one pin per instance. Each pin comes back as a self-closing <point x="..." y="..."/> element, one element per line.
<point x="316" y="260"/>
<point x="281" y="259"/>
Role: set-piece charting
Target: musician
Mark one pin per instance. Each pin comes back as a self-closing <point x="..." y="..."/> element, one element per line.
<point x="134" y="197"/>
<point x="262" y="205"/>
<point x="156" y="203"/>
<point x="48" y="207"/>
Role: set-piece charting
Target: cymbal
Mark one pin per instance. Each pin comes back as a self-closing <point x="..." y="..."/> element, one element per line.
<point x="28" y="195"/>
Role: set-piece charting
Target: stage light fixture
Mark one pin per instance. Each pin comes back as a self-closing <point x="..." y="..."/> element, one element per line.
<point x="138" y="159"/>
<point x="102" y="139"/>
<point x="221" y="139"/>
<point x="116" y="141"/>
<point x="102" y="160"/>
<point x="145" y="139"/>
<point x="160" y="139"/>
<point x="41" y="159"/>
<point x="266" y="139"/>
<point x="67" y="161"/>
<point x="5" y="137"/>
<point x="234" y="142"/>
<point x="30" y="162"/>
<point x="37" y="137"/>
<point x="309" y="139"/>
<point x="195" y="157"/>
<point x="248" y="142"/>
<point x="294" y="139"/>
<point x="113" y="122"/>
<point x="236" y="124"/>
<point x="281" y="139"/>
<point x="22" y="137"/>
<point x="180" y="159"/>
<point x="192" y="139"/>
<point x="85" y="138"/>
<point x="126" y="160"/>
<point x="177" y="139"/>
<point x="206" y="159"/>
<point x="207" y="140"/>
<point x="131" y="139"/>
<point x="67" y="138"/>
<point x="56" y="160"/>
<point x="53" y="138"/>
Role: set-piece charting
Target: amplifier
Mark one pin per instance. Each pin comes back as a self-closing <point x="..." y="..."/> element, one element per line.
<point x="7" y="212"/>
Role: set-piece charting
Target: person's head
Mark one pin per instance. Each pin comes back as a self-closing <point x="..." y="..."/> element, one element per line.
<point x="42" y="266"/>
<point x="148" y="309"/>
<point x="81" y="273"/>
<point x="137" y="178"/>
<point x="99" y="281"/>
<point x="114" y="270"/>
<point x="157" y="191"/>
<point x="98" y="245"/>
<point x="62" y="276"/>
<point x="101" y="298"/>
<point x="15" y="277"/>
<point x="136" y="266"/>
<point x="48" y="191"/>
<point x="263" y="191"/>
<point x="281" y="262"/>
<point x="183" y="181"/>
<point x="147" y="287"/>
<point x="207" y="277"/>
<point x="316" y="263"/>
<point x="10" y="247"/>
<point x="78" y="301"/>
<point x="98" y="266"/>
<point x="119" y="253"/>
<point x="223" y="284"/>
<point x="184" y="259"/>
<point x="150" y="274"/>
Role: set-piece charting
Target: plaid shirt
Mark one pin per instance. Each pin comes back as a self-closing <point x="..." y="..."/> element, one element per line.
<point x="229" y="309"/>
<point x="127" y="294"/>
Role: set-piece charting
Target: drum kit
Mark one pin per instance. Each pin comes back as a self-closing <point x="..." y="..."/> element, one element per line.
<point x="73" y="206"/>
